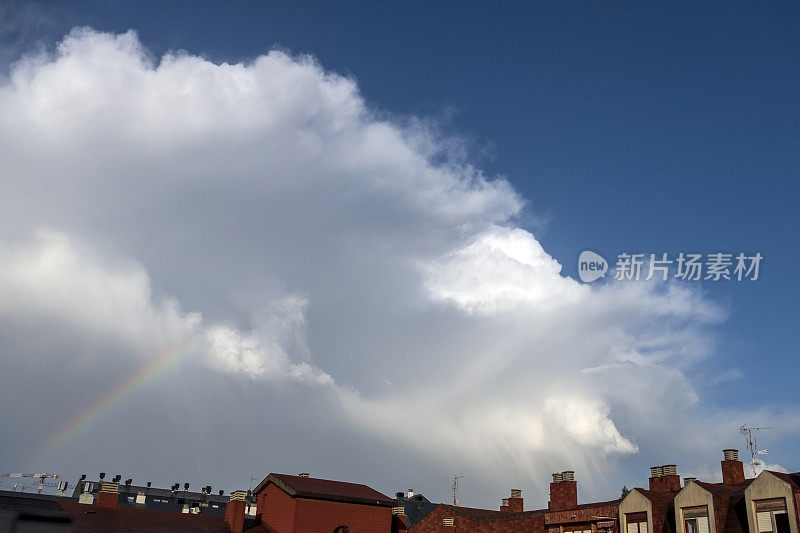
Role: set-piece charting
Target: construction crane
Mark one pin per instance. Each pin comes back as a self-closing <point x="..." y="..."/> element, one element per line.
<point x="752" y="445"/>
<point x="41" y="478"/>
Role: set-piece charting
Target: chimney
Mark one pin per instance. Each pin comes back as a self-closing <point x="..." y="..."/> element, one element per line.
<point x="410" y="493"/>
<point x="515" y="501"/>
<point x="563" y="491"/>
<point x="504" y="504"/>
<point x="234" y="512"/>
<point x="399" y="523"/>
<point x="108" y="495"/>
<point x="732" y="468"/>
<point x="665" y="478"/>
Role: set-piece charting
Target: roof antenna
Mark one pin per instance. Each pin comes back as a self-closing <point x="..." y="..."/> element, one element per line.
<point x="455" y="489"/>
<point x="752" y="445"/>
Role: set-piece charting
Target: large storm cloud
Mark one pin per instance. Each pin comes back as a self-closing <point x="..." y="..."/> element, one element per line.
<point x="360" y="304"/>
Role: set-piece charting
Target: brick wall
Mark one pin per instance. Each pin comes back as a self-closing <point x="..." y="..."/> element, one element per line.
<point x="322" y="516"/>
<point x="399" y="523"/>
<point x="732" y="473"/>
<point x="663" y="518"/>
<point x="671" y="483"/>
<point x="515" y="505"/>
<point x="563" y="495"/>
<point x="234" y="516"/>
<point x="276" y="509"/>
<point x="284" y="514"/>
<point x="587" y="514"/>
<point x="797" y="508"/>
<point x="107" y="499"/>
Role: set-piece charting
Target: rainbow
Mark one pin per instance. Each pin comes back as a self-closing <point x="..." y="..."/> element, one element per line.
<point x="81" y="420"/>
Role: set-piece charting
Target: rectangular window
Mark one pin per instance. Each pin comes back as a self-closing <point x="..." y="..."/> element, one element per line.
<point x="696" y="525"/>
<point x="695" y="519"/>
<point x="636" y="522"/>
<point x="771" y="516"/>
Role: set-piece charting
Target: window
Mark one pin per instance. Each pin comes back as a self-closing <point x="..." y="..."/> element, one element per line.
<point x="771" y="516"/>
<point x="636" y="522"/>
<point x="342" y="529"/>
<point x="695" y="519"/>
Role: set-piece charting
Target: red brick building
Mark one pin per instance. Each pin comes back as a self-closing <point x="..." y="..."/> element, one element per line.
<point x="302" y="504"/>
<point x="563" y="515"/>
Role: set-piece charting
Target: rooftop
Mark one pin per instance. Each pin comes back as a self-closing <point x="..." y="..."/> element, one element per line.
<point x="325" y="489"/>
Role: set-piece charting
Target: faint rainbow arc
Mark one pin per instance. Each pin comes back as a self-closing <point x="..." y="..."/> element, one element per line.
<point x="147" y="372"/>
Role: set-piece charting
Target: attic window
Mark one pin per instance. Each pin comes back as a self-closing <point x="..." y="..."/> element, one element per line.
<point x="342" y="529"/>
<point x="771" y="516"/>
<point x="636" y="522"/>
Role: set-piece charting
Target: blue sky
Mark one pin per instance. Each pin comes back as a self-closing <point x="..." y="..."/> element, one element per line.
<point x="625" y="126"/>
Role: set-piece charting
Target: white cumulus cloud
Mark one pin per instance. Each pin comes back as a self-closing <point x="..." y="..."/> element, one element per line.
<point x="313" y="243"/>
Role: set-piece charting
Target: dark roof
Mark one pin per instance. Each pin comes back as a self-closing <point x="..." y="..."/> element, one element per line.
<point x="82" y="518"/>
<point x="718" y="489"/>
<point x="657" y="496"/>
<point x="154" y="491"/>
<point x="486" y="514"/>
<point x="595" y="504"/>
<point x="792" y="479"/>
<point x="477" y="513"/>
<point x="325" y="489"/>
<point x="415" y="507"/>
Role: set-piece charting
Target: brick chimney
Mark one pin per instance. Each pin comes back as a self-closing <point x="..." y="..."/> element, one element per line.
<point x="732" y="468"/>
<point x="563" y="492"/>
<point x="399" y="520"/>
<point x="665" y="478"/>
<point x="234" y="512"/>
<point x="515" y="501"/>
<point x="108" y="495"/>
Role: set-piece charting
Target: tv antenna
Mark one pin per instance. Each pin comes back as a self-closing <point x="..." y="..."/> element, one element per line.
<point x="455" y="489"/>
<point x="752" y="445"/>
